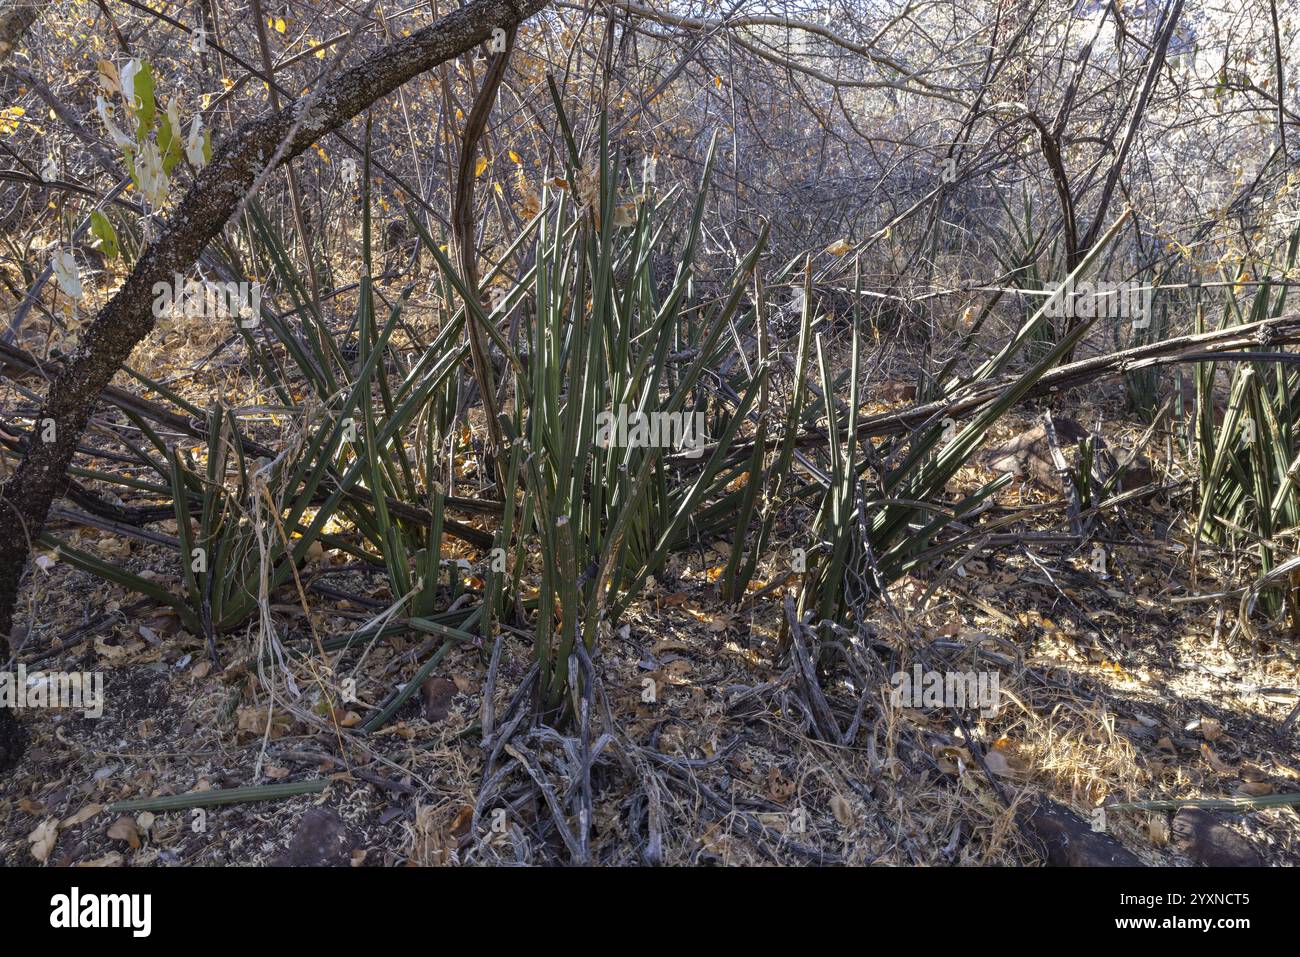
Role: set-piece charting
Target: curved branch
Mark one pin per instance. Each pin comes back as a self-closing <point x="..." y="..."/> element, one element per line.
<point x="463" y="226"/>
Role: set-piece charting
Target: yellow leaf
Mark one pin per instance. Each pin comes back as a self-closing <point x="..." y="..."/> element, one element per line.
<point x="838" y="248"/>
<point x="279" y="24"/>
<point x="108" y="77"/>
<point x="124" y="829"/>
<point x="9" y="119"/>
<point x="514" y="158"/>
<point x="1216" y="762"/>
<point x="480" y="165"/>
<point x="85" y="814"/>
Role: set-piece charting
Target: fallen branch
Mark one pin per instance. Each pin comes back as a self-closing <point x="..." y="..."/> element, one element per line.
<point x="1222" y="345"/>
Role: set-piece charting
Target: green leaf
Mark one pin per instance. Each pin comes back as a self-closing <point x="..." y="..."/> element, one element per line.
<point x="169" y="143"/>
<point x="103" y="230"/>
<point x="145" y="106"/>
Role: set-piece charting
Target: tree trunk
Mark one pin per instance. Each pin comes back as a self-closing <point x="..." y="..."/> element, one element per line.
<point x="209" y="203"/>
<point x="14" y="22"/>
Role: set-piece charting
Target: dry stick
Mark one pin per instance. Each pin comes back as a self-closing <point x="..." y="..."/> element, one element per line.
<point x="462" y="219"/>
<point x="83" y="633"/>
<point x="218" y="191"/>
<point x="1063" y="474"/>
<point x="295" y="193"/>
<point x="1167" y="25"/>
<point x="138" y="516"/>
<point x="1277" y="63"/>
<point x="1219" y="345"/>
<point x="18" y="361"/>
